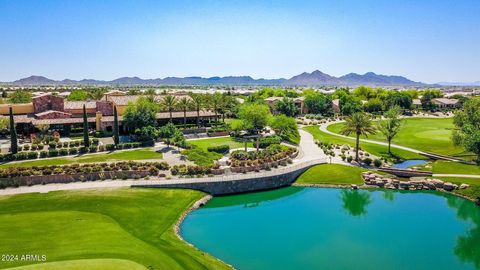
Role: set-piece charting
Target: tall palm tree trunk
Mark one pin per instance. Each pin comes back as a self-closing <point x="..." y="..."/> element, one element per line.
<point x="185" y="118"/>
<point x="170" y="110"/>
<point x="357" y="144"/>
<point x="198" y="117"/>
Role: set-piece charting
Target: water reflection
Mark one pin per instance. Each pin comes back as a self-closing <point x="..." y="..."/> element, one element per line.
<point x="467" y="248"/>
<point x="355" y="202"/>
<point x="249" y="200"/>
<point x="389" y="195"/>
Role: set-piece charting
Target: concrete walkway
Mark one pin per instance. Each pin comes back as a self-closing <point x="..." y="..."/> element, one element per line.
<point x="308" y="149"/>
<point x="309" y="155"/>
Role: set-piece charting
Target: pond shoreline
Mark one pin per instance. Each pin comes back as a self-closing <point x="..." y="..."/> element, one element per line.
<point x="176" y="228"/>
<point x="349" y="186"/>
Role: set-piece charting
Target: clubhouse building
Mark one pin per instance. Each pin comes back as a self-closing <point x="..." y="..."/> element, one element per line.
<point x="62" y="115"/>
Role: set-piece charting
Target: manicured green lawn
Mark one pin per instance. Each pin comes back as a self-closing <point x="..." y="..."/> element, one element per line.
<point x="374" y="149"/>
<point x="205" y="143"/>
<point x="448" y="167"/>
<point x="201" y="157"/>
<point x="138" y="154"/>
<point x="130" y="224"/>
<point x="425" y="134"/>
<point x="334" y="174"/>
<point x="92" y="264"/>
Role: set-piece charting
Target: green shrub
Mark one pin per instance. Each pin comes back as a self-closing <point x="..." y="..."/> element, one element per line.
<point x="377" y="162"/>
<point x="367" y="161"/>
<point x="26" y="147"/>
<point x="92" y="148"/>
<point x="63" y="152"/>
<point x="239" y="154"/>
<point x="73" y="151"/>
<point x="32" y="155"/>
<point x="43" y="154"/>
<point x="268" y="140"/>
<point x="82" y="150"/>
<point x="52" y="145"/>
<point x="95" y="141"/>
<point x="221" y="149"/>
<point x="20" y="156"/>
<point x="53" y="153"/>
<point x="110" y="147"/>
<point x="349" y="159"/>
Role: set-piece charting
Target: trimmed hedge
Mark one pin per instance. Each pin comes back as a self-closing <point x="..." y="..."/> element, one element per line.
<point x="221" y="149"/>
<point x="264" y="142"/>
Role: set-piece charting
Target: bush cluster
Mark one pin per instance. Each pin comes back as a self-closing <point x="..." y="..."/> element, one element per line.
<point x="314" y="116"/>
<point x="272" y="153"/>
<point x="192" y="170"/>
<point x="152" y="167"/>
<point x="264" y="142"/>
<point x="221" y="149"/>
<point x="55" y="150"/>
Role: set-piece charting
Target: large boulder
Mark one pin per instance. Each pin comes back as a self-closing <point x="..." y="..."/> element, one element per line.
<point x="449" y="186"/>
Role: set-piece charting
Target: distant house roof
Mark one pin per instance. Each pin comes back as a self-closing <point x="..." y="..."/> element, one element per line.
<point x="166" y="115"/>
<point x="271" y="99"/>
<point x="124" y="100"/>
<point x="75" y="105"/>
<point x="58" y="114"/>
<point x="445" y="101"/>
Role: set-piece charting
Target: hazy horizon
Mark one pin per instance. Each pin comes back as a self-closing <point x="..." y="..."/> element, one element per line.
<point x="428" y="41"/>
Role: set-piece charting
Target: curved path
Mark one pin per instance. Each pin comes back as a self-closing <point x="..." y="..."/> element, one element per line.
<point x="324" y="128"/>
<point x="309" y="155"/>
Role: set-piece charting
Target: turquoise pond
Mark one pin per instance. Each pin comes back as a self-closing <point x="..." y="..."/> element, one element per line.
<point x="319" y="228"/>
<point x="409" y="163"/>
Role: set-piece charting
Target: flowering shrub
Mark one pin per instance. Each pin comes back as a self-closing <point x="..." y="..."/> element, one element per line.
<point x="190" y="170"/>
<point x="152" y="167"/>
<point x="272" y="153"/>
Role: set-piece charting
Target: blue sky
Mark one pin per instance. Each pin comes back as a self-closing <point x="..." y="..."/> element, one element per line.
<point x="425" y="40"/>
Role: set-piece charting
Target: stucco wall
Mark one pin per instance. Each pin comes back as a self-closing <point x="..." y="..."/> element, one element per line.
<point x="22" y="108"/>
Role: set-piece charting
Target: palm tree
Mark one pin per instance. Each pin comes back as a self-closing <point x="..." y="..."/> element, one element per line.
<point x="216" y="103"/>
<point x="198" y="103"/>
<point x="184" y="104"/>
<point x="169" y="102"/>
<point x="391" y="125"/>
<point x="360" y="124"/>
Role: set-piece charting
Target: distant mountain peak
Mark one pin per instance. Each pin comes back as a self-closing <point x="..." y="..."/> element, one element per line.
<point x="315" y="78"/>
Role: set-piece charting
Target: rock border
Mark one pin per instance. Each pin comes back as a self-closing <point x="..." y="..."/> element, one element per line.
<point x="176" y="228"/>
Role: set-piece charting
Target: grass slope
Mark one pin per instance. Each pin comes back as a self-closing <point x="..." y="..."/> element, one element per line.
<point x="205" y="143"/>
<point x="448" y="167"/>
<point x="425" y="134"/>
<point x="374" y="149"/>
<point x="201" y="157"/>
<point x="334" y="174"/>
<point x="93" y="264"/>
<point x="127" y="224"/>
<point x="138" y="154"/>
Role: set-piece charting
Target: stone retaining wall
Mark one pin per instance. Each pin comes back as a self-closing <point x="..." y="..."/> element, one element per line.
<point x="248" y="184"/>
<point x="68" y="178"/>
<point x="405" y="173"/>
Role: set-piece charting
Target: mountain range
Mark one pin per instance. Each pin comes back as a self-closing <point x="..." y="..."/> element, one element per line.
<point x="316" y="78"/>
